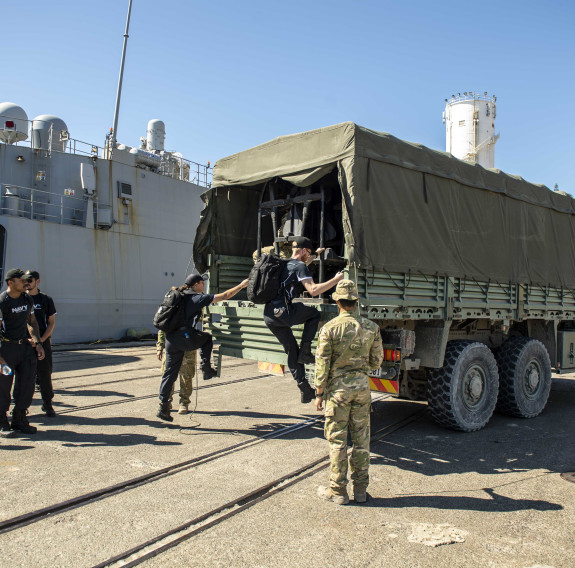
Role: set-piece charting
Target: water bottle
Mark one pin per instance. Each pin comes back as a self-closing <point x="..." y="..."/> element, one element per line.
<point x="6" y="370"/>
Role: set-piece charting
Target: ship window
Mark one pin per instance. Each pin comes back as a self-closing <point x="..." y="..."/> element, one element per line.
<point x="124" y="190"/>
<point x="462" y="123"/>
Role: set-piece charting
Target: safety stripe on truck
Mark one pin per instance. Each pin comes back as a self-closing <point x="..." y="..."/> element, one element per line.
<point x="383" y="385"/>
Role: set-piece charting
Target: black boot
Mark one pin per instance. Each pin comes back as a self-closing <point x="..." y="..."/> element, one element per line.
<point x="48" y="409"/>
<point x="164" y="412"/>
<point x="305" y="356"/>
<point x="20" y="422"/>
<point x="208" y="371"/>
<point x="5" y="430"/>
<point x="307" y="393"/>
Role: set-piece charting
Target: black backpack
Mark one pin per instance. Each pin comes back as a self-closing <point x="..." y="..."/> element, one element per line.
<point x="170" y="315"/>
<point x="264" y="280"/>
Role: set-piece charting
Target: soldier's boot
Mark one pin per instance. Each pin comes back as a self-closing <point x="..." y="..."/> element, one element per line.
<point x="183" y="409"/>
<point x="208" y="372"/>
<point x="305" y="356"/>
<point x="327" y="494"/>
<point x="164" y="412"/>
<point x="48" y="409"/>
<point x="20" y="422"/>
<point x="360" y="494"/>
<point x="5" y="430"/>
<point x="307" y="393"/>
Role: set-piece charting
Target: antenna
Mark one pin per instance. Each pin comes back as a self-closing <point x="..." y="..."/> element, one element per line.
<point x="119" y="93"/>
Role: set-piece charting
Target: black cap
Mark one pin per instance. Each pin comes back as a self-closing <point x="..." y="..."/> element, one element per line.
<point x="194" y="278"/>
<point x="14" y="273"/>
<point x="301" y="242"/>
<point x="31" y="274"/>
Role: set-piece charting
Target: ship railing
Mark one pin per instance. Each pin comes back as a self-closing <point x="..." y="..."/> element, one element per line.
<point x="64" y="209"/>
<point x="173" y="164"/>
<point x="178" y="167"/>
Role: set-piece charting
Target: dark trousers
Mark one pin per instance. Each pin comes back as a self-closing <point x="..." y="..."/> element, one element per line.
<point x="281" y="325"/>
<point x="177" y="343"/>
<point x="44" y="373"/>
<point x="22" y="359"/>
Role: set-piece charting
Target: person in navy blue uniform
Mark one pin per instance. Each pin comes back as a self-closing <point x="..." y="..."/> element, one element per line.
<point x="280" y="315"/>
<point x="188" y="338"/>
<point x="45" y="313"/>
<point x="20" y="349"/>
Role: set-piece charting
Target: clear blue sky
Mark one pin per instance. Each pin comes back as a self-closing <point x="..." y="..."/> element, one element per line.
<point x="227" y="75"/>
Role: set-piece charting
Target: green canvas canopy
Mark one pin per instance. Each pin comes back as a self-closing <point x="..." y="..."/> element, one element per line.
<point x="406" y="208"/>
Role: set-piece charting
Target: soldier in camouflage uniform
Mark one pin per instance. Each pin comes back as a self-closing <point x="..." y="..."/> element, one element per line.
<point x="187" y="372"/>
<point x="348" y="347"/>
<point x="284" y="248"/>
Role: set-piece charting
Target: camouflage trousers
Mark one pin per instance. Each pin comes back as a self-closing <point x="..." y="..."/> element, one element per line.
<point x="187" y="374"/>
<point x="348" y="409"/>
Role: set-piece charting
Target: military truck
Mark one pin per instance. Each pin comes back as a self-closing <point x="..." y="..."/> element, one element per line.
<point x="469" y="272"/>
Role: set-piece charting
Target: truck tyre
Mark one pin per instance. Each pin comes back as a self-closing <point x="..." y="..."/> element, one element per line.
<point x="525" y="377"/>
<point x="462" y="394"/>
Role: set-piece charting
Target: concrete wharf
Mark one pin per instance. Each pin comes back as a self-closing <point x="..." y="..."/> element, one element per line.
<point x="234" y="483"/>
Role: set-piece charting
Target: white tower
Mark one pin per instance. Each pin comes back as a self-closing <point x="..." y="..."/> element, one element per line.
<point x="470" y="128"/>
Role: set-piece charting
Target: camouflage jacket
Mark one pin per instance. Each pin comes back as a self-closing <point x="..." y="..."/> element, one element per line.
<point x="285" y="251"/>
<point x="348" y="347"/>
<point x="161" y="342"/>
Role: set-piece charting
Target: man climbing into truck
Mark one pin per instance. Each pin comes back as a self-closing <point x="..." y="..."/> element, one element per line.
<point x="281" y="314"/>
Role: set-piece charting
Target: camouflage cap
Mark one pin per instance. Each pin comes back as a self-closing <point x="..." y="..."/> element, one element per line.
<point x="345" y="290"/>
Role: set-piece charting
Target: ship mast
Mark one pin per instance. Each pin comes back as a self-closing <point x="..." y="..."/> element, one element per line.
<point x="120" y="79"/>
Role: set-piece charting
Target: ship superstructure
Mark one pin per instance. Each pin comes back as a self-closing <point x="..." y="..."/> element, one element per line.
<point x="109" y="228"/>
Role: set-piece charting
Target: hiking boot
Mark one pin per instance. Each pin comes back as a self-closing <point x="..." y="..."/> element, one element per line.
<point x="48" y="409"/>
<point x="164" y="412"/>
<point x="20" y="422"/>
<point x="209" y="373"/>
<point x="327" y="494"/>
<point x="183" y="409"/>
<point x="360" y="495"/>
<point x="5" y="430"/>
<point x="307" y="393"/>
<point x="305" y="356"/>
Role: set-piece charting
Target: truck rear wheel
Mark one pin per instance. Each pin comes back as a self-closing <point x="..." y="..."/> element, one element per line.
<point x="462" y="394"/>
<point x="525" y="377"/>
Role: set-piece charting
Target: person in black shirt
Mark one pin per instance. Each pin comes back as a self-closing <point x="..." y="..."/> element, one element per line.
<point x="280" y="315"/>
<point x="17" y="353"/>
<point x="188" y="338"/>
<point x="45" y="313"/>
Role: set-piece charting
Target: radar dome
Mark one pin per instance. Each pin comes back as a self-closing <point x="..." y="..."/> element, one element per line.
<point x="49" y="132"/>
<point x="156" y="135"/>
<point x="13" y="123"/>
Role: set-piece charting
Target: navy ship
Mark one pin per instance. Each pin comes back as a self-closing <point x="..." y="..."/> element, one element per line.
<point x="109" y="228"/>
